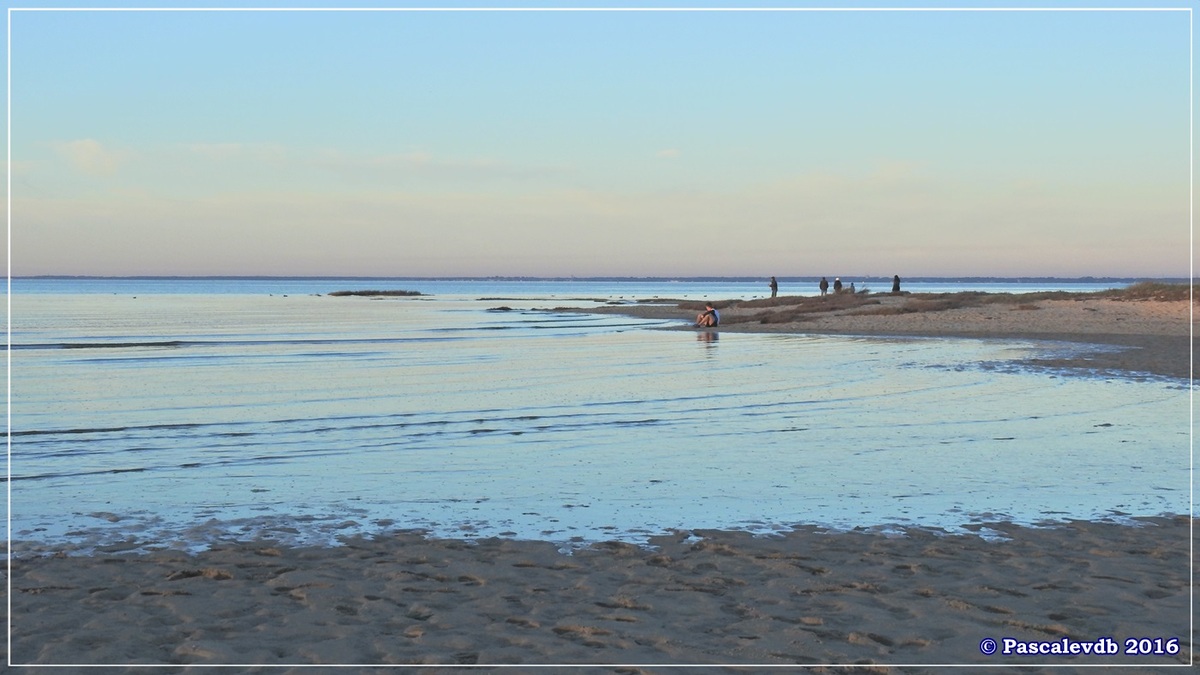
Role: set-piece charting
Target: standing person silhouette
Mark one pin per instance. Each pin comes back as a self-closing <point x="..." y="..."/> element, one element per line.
<point x="774" y="287"/>
<point x="837" y="284"/>
<point x="896" y="284"/>
<point x="824" y="285"/>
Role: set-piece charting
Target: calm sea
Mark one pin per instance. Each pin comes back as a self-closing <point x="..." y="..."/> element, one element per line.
<point x="169" y="412"/>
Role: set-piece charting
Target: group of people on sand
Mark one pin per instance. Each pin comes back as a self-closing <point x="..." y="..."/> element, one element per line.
<point x="837" y="285"/>
<point x="824" y="286"/>
<point x="710" y="317"/>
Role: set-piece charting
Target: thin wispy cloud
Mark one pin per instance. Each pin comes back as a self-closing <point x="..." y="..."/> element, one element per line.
<point x="235" y="152"/>
<point x="368" y="168"/>
<point x="91" y="157"/>
<point x="388" y="166"/>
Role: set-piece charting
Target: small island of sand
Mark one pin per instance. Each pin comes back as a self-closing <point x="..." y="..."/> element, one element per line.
<point x="1151" y="321"/>
<point x="375" y="294"/>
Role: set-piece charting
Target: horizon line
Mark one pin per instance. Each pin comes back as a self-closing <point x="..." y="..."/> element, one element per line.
<point x="522" y="277"/>
<point x="517" y="8"/>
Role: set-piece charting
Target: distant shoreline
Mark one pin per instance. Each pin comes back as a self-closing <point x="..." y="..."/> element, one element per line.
<point x="667" y="279"/>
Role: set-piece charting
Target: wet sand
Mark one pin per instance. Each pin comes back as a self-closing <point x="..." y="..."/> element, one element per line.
<point x="701" y="598"/>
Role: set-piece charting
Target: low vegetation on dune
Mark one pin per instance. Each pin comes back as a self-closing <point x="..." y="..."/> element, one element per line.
<point x="788" y="309"/>
<point x="717" y="304"/>
<point x="1152" y="290"/>
<point x="937" y="302"/>
<point x="841" y="300"/>
<point x="1142" y="290"/>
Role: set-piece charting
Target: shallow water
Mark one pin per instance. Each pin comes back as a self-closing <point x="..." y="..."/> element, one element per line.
<point x="183" y="418"/>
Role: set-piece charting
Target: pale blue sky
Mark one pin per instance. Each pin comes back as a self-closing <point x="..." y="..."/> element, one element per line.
<point x="586" y="143"/>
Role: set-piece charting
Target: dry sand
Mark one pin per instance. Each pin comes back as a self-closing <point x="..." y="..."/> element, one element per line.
<point x="810" y="597"/>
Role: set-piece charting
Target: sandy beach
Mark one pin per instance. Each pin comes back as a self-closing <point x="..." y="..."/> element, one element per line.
<point x="1153" y="336"/>
<point x="695" y="598"/>
<point x="878" y="601"/>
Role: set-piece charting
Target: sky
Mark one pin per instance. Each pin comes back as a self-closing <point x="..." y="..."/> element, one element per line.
<point x="589" y="143"/>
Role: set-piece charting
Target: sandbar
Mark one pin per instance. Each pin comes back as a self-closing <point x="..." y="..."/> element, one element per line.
<point x="1153" y="336"/>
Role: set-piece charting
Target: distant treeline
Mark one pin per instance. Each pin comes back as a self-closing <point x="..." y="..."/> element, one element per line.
<point x="867" y="277"/>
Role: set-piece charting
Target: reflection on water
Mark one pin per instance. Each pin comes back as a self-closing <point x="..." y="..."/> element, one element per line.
<point x="180" y="419"/>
